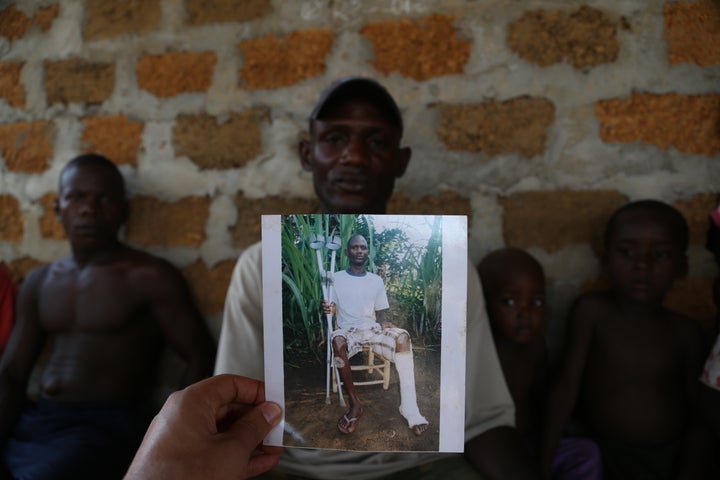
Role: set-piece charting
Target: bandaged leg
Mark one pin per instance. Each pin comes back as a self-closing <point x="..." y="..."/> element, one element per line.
<point x="404" y="365"/>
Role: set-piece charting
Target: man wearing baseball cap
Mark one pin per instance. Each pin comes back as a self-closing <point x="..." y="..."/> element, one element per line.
<point x="354" y="153"/>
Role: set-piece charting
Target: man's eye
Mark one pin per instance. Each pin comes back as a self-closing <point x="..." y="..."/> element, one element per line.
<point x="378" y="141"/>
<point x="538" y="302"/>
<point x="662" y="255"/>
<point x="334" y="138"/>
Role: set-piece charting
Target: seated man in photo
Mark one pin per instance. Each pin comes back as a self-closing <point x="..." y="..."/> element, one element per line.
<point x="359" y="302"/>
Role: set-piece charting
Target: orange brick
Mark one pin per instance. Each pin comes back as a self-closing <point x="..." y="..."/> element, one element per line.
<point x="518" y="125"/>
<point x="273" y="62"/>
<point x="78" y="81"/>
<point x="686" y="122"/>
<point x="585" y="38"/>
<point x="174" y="73"/>
<point x="27" y="146"/>
<point x="13" y="23"/>
<point x="177" y="224"/>
<point x="201" y="12"/>
<point x="445" y="203"/>
<point x="247" y="229"/>
<point x="692" y="32"/>
<point x="110" y="19"/>
<point x="228" y="145"/>
<point x="50" y="226"/>
<point x="11" y="219"/>
<point x="553" y="220"/>
<point x="422" y="49"/>
<point x="11" y="89"/>
<point x="209" y="285"/>
<point x="115" y="137"/>
<point x="696" y="211"/>
<point x="46" y="16"/>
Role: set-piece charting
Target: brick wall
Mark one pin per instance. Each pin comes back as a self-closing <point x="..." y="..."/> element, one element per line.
<point x="535" y="119"/>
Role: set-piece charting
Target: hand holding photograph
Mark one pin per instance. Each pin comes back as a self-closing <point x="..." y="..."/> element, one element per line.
<point x="364" y="327"/>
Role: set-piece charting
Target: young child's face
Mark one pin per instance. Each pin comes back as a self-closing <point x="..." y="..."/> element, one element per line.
<point x="516" y="305"/>
<point x="643" y="257"/>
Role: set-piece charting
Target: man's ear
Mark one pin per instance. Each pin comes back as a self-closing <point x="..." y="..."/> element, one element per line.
<point x="305" y="154"/>
<point x="403" y="158"/>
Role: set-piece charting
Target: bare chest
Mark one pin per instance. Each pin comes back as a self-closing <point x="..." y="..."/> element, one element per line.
<point x="93" y="300"/>
<point x="636" y="349"/>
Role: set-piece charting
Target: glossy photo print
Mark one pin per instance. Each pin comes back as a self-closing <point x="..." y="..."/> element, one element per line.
<point x="364" y="327"/>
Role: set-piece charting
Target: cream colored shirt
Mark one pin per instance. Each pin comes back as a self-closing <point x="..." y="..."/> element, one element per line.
<point x="240" y="351"/>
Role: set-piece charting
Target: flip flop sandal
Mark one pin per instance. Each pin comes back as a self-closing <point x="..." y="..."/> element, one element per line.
<point x="349" y="424"/>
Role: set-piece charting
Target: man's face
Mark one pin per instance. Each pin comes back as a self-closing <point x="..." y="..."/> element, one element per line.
<point x="357" y="251"/>
<point x="355" y="157"/>
<point x="643" y="257"/>
<point x="91" y="206"/>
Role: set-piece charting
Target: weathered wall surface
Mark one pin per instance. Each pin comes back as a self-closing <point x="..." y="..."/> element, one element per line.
<point x="535" y="118"/>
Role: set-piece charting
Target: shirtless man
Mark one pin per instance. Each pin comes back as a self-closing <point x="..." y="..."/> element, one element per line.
<point x="101" y="315"/>
<point x="357" y="292"/>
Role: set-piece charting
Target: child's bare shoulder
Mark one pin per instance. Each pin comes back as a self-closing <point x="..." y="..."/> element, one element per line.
<point x="592" y="305"/>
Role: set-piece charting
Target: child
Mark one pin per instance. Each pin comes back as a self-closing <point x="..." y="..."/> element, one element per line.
<point x="631" y="365"/>
<point x="514" y="288"/>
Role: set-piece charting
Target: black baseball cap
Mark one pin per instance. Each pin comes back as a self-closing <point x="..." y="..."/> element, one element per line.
<point x="357" y="87"/>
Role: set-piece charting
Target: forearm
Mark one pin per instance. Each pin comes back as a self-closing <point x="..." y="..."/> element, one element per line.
<point x="501" y="453"/>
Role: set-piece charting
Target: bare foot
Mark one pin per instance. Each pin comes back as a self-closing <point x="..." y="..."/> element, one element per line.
<point x="420" y="429"/>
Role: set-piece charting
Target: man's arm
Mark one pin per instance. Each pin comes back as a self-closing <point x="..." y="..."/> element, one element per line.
<point x="240" y="348"/>
<point x="23" y="348"/>
<point x="182" y="324"/>
<point x="566" y="385"/>
<point x="380" y="318"/>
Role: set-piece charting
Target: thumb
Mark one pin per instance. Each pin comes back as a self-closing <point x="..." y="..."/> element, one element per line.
<point x="255" y="424"/>
<point x="271" y="412"/>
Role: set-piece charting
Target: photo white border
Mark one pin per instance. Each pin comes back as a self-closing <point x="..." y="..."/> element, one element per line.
<point x="453" y="343"/>
<point x="272" y="320"/>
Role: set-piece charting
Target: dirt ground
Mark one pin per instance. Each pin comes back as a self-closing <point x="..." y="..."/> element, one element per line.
<point x="311" y="422"/>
